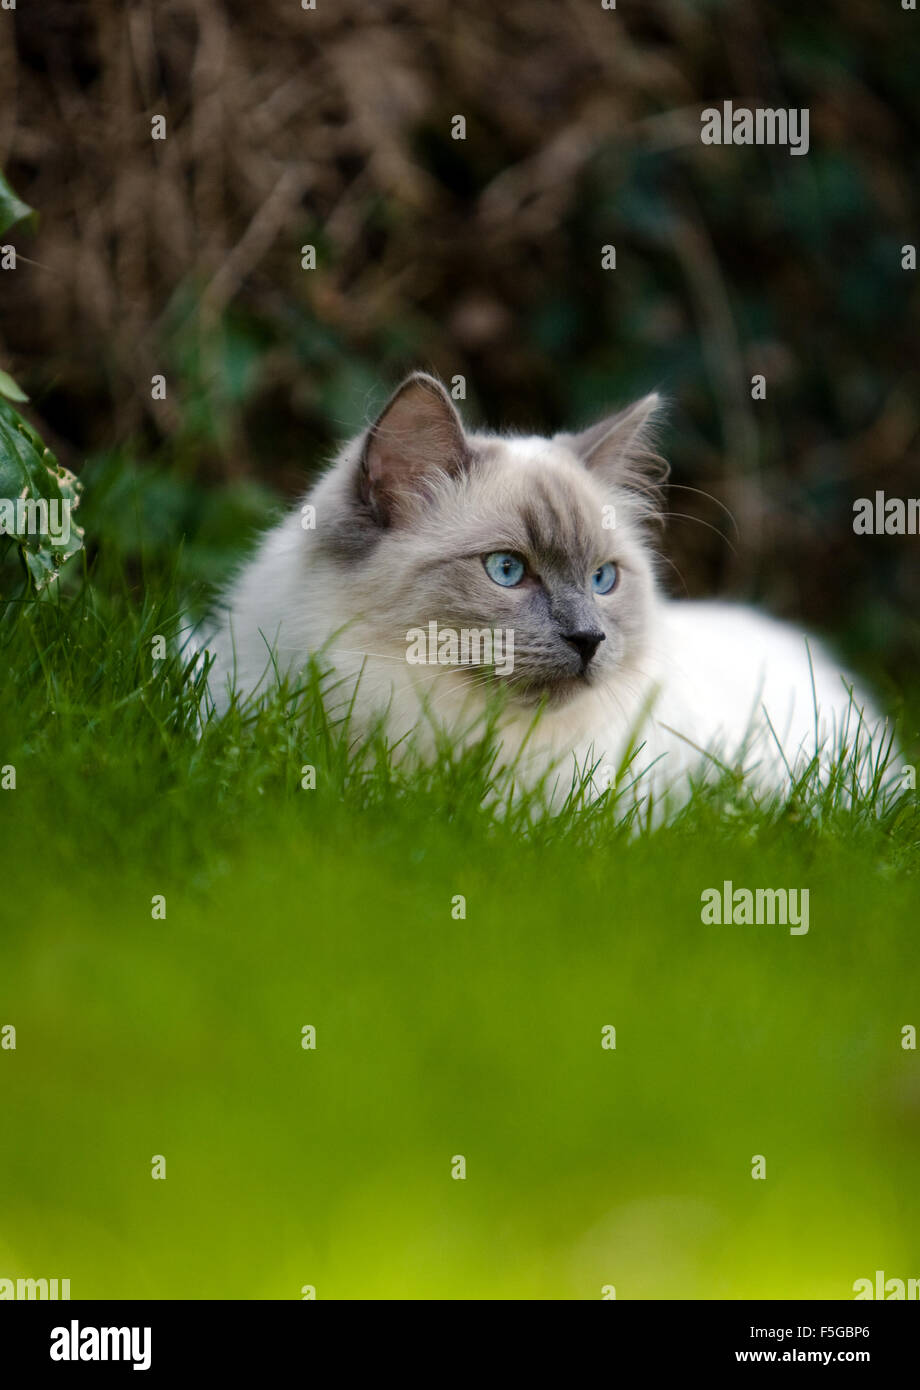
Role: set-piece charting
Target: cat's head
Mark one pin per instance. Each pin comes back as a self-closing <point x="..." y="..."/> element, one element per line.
<point x="543" y="538"/>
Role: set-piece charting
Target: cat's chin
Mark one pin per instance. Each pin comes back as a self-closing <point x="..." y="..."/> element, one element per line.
<point x="553" y="691"/>
<point x="535" y="690"/>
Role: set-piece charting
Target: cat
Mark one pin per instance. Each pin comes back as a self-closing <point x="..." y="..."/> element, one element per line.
<point x="421" y="527"/>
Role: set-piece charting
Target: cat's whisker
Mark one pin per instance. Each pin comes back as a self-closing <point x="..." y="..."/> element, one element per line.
<point x="700" y="492"/>
<point x="688" y="516"/>
<point x="477" y="683"/>
<point x="613" y="697"/>
<point x="668" y="561"/>
<point x="378" y="656"/>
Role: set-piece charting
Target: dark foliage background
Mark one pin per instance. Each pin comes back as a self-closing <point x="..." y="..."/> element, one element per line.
<point x="480" y="257"/>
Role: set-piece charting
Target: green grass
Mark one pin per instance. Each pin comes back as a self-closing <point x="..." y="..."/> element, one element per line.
<point x="435" y="1037"/>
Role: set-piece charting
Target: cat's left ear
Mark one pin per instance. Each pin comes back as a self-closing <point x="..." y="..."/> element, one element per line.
<point x="417" y="439"/>
<point x="621" y="449"/>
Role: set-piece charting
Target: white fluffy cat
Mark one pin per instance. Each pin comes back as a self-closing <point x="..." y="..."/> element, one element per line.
<point x="418" y="521"/>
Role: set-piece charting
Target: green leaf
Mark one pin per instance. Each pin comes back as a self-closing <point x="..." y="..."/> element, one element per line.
<point x="9" y="388"/>
<point x="38" y="497"/>
<point x="12" y="209"/>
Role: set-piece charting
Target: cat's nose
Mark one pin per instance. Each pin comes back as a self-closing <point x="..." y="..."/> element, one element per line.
<point x="586" y="643"/>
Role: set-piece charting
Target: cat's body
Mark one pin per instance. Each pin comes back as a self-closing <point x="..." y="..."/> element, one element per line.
<point x="418" y="522"/>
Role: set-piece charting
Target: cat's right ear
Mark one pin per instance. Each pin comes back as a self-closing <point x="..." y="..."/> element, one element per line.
<point x="417" y="438"/>
<point x="621" y="450"/>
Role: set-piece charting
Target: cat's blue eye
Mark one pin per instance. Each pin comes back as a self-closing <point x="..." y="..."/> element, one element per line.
<point x="504" y="568"/>
<point x="604" y="579"/>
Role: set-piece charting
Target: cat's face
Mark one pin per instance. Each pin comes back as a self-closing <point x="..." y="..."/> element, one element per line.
<point x="540" y="539"/>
